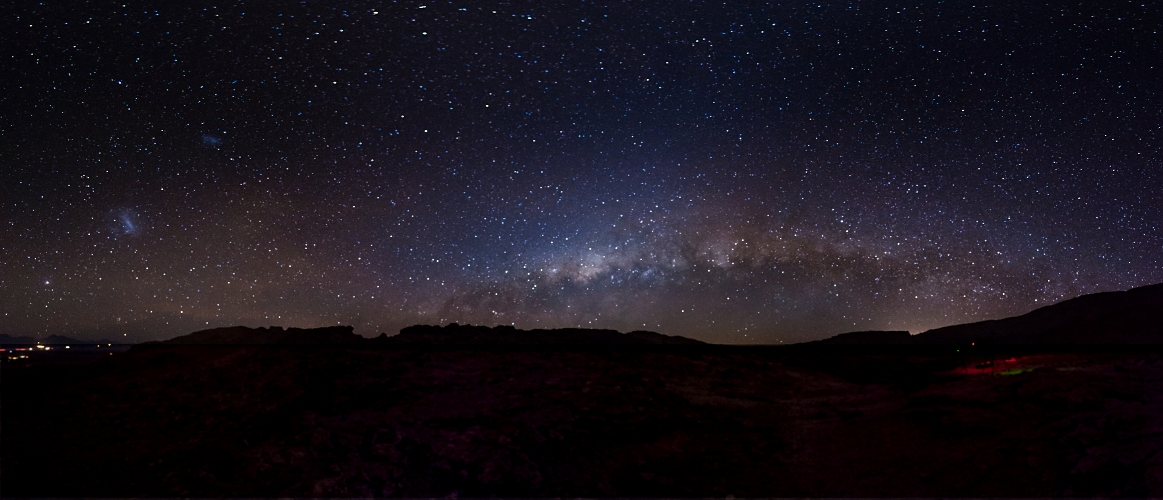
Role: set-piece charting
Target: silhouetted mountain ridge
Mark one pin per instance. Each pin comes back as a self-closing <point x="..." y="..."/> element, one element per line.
<point x="455" y="334"/>
<point x="452" y="334"/>
<point x="876" y="337"/>
<point x="1109" y="318"/>
<point x="1134" y="316"/>
<point x="6" y="339"/>
<point x="275" y="335"/>
<point x="1129" y="317"/>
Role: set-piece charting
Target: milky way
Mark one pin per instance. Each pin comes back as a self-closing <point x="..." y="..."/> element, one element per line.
<point x="753" y="173"/>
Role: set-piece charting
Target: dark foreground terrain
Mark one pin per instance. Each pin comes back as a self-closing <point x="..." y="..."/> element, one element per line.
<point x="168" y="420"/>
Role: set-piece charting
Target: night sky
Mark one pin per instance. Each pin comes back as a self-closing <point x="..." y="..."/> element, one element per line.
<point x="733" y="172"/>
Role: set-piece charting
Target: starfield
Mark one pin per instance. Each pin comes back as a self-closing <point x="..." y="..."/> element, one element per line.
<point x="580" y="248"/>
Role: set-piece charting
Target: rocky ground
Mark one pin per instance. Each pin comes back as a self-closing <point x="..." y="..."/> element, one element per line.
<point x="247" y="421"/>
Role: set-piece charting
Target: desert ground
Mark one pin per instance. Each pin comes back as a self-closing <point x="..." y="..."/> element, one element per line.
<point x="543" y="421"/>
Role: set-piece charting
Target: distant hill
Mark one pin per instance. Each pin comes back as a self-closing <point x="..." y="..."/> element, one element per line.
<point x="241" y="335"/>
<point x="6" y="339"/>
<point x="1109" y="318"/>
<point x="1134" y="316"/>
<point x="63" y="340"/>
<point x="873" y="337"/>
<point x="453" y="334"/>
